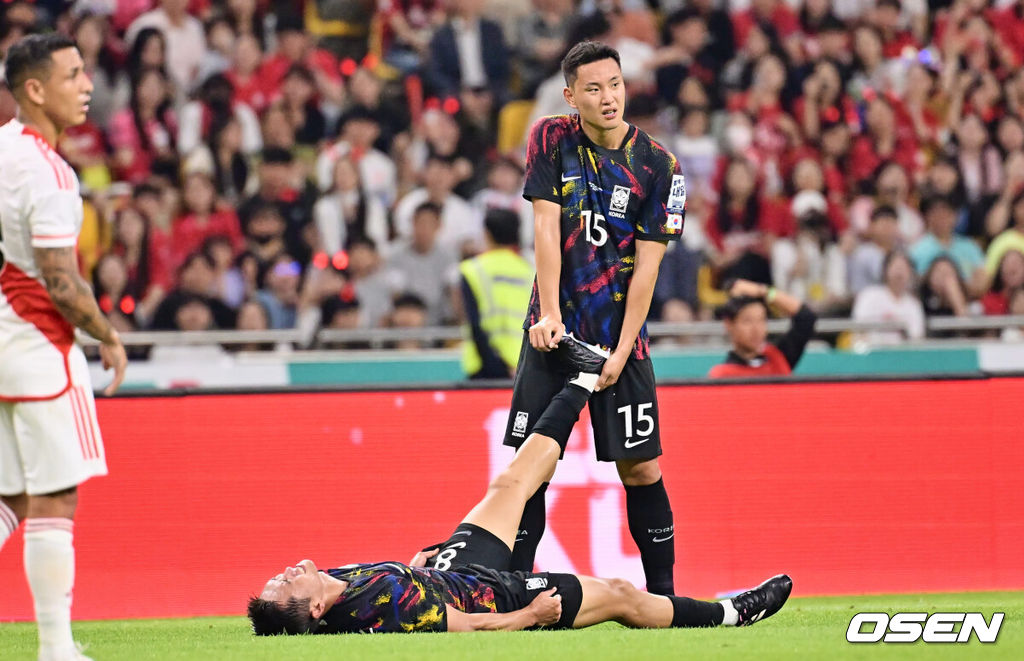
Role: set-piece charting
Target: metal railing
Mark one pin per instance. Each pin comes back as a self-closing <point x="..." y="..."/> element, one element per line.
<point x="378" y="338"/>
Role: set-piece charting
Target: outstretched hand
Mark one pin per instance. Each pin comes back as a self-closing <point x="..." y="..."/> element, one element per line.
<point x="546" y="607"/>
<point x="421" y="557"/>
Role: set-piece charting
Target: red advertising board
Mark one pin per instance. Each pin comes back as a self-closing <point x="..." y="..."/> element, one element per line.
<point x="849" y="487"/>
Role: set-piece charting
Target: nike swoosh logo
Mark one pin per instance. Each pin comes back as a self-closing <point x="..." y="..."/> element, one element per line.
<point x="656" y="540"/>
<point x="565" y="178"/>
<point x="462" y="532"/>
<point x="632" y="444"/>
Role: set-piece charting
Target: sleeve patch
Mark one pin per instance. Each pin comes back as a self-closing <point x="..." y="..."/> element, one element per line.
<point x="677" y="195"/>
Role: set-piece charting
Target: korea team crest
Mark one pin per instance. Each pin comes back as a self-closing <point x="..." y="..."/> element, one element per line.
<point x="620" y="200"/>
<point x="519" y="426"/>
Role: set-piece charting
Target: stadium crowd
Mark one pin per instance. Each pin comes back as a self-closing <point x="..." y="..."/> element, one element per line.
<point x="310" y="164"/>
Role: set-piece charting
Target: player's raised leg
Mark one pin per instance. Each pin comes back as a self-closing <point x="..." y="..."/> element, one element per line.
<point x="501" y="508"/>
<point x="617" y="600"/>
<point x="534" y="463"/>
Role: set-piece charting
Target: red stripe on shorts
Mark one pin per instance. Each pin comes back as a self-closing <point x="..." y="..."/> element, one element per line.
<point x="83" y="400"/>
<point x="79" y="427"/>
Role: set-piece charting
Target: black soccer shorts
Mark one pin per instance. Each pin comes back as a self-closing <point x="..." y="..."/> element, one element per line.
<point x="624" y="417"/>
<point x="471" y="545"/>
<point x="568" y="586"/>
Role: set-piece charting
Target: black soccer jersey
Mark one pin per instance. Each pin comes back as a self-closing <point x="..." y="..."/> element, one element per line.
<point x="609" y="199"/>
<point x="391" y="597"/>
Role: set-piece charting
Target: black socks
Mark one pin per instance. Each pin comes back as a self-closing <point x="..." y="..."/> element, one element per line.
<point x="650" y="523"/>
<point x="688" y="612"/>
<point x="531" y="528"/>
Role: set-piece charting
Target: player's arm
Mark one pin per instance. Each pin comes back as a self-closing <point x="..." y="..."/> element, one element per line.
<point x="75" y="301"/>
<point x="638" y="303"/>
<point x="545" y="334"/>
<point x="793" y="343"/>
<point x="544" y="610"/>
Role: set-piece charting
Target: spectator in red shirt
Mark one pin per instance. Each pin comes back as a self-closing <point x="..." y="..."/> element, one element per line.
<point x="775" y="132"/>
<point x="923" y="105"/>
<point x="746" y="316"/>
<point x="741" y="225"/>
<point x="203" y="218"/>
<point x="250" y="87"/>
<point x="146" y="130"/>
<point x="1009" y="24"/>
<point x="883" y="140"/>
<point x="823" y="101"/>
<point x="294" y="46"/>
<point x="1009" y="276"/>
<point x="774" y="13"/>
<point x="889" y="21"/>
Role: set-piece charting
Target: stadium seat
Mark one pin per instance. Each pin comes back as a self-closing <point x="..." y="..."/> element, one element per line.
<point x="513" y="120"/>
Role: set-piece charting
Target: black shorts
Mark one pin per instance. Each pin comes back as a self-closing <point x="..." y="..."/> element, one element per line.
<point x="471" y="545"/>
<point x="568" y="586"/>
<point x="624" y="417"/>
<point x="474" y="550"/>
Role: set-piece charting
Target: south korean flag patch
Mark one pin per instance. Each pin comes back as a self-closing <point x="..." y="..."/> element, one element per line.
<point x="677" y="195"/>
<point x="675" y="221"/>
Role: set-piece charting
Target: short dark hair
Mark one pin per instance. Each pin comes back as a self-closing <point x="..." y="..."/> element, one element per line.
<point x="586" y="52"/>
<point x="428" y="207"/>
<point x="270" y="618"/>
<point x="734" y="305"/>
<point x="884" y="211"/>
<point x="410" y="300"/>
<point x="503" y="226"/>
<point x="32" y="57"/>
<point x="197" y="256"/>
<point x="934" y="202"/>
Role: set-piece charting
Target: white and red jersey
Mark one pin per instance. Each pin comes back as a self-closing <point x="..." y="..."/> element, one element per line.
<point x="40" y="207"/>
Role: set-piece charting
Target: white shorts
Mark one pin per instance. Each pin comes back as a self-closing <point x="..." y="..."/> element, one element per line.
<point x="51" y="445"/>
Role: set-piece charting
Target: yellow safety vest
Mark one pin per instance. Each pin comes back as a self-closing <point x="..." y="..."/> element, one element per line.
<point x="501" y="282"/>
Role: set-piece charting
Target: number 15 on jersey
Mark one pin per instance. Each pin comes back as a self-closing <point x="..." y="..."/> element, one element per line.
<point x="594" y="227"/>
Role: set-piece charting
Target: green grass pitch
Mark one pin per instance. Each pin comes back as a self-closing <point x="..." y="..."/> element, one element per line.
<point x="807" y="628"/>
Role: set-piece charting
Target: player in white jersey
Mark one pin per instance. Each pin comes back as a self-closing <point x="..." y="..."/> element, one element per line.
<point x="49" y="436"/>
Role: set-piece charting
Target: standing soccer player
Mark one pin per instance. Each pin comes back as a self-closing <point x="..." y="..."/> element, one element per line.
<point x="49" y="436"/>
<point x="606" y="200"/>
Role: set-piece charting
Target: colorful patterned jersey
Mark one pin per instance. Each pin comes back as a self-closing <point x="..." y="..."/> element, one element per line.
<point x="390" y="597"/>
<point x="609" y="199"/>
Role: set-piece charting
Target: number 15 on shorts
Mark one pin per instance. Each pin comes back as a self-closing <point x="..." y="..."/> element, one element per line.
<point x="637" y="421"/>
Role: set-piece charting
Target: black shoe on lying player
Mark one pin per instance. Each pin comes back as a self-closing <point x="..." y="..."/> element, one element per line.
<point x="583" y="361"/>
<point x="763" y="601"/>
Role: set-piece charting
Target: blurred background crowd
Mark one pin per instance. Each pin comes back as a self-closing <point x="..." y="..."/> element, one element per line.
<point x="269" y="164"/>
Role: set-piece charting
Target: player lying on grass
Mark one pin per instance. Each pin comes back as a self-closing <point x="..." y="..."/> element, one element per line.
<point x="464" y="585"/>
